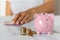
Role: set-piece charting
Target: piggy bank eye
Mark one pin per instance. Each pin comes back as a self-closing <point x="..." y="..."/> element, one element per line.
<point x="46" y="19"/>
<point x="41" y="19"/>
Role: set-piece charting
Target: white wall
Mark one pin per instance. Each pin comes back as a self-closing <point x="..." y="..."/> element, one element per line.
<point x="2" y="7"/>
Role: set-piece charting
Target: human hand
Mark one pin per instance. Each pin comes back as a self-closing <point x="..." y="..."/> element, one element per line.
<point x="23" y="17"/>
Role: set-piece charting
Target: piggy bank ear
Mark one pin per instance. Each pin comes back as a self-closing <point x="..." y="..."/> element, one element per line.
<point x="36" y="15"/>
<point x="51" y="16"/>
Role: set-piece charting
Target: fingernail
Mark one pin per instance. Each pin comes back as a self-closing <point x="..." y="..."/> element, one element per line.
<point x="25" y="21"/>
<point x="21" y="22"/>
<point x="17" y="22"/>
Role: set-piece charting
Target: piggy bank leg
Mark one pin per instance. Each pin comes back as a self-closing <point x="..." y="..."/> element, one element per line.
<point x="38" y="32"/>
<point x="48" y="33"/>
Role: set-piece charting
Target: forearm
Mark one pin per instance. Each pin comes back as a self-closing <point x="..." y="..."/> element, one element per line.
<point x="45" y="8"/>
<point x="8" y="10"/>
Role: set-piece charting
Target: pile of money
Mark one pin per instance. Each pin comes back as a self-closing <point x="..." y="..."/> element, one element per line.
<point x="27" y="31"/>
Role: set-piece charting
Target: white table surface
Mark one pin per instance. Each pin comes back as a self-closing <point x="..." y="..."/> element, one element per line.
<point x="12" y="33"/>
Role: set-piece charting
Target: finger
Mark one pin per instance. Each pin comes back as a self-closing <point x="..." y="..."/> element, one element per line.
<point x="20" y="18"/>
<point x="15" y="18"/>
<point x="28" y="20"/>
<point x="24" y="19"/>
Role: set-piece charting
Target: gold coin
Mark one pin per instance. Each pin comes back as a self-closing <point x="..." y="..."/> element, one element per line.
<point x="23" y="30"/>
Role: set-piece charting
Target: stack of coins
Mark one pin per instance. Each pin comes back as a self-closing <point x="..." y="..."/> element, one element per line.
<point x="23" y="30"/>
<point x="27" y="31"/>
<point x="34" y="32"/>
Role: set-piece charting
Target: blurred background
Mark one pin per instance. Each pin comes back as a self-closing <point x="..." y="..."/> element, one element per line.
<point x="57" y="7"/>
<point x="5" y="7"/>
<point x="2" y="7"/>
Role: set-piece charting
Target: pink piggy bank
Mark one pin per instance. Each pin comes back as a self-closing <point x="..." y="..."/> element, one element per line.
<point x="44" y="23"/>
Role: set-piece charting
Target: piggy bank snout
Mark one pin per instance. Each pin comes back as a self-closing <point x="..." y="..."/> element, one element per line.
<point x="44" y="25"/>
